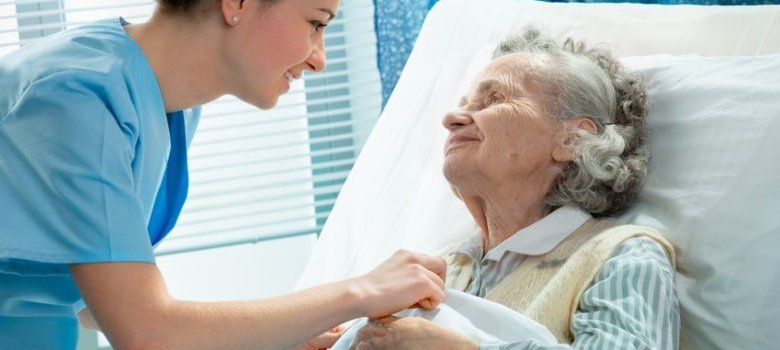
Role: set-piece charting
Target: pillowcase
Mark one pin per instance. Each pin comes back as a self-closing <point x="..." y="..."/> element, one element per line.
<point x="714" y="192"/>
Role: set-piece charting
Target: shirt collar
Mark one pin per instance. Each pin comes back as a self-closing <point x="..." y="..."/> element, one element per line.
<point x="472" y="246"/>
<point x="536" y="239"/>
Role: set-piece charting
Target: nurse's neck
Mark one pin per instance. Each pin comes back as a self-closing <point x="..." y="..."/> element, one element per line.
<point x="183" y="54"/>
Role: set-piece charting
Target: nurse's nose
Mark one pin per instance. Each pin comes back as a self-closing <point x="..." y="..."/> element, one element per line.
<point x="317" y="61"/>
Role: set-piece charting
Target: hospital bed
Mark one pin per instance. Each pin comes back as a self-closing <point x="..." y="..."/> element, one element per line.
<point x="713" y="73"/>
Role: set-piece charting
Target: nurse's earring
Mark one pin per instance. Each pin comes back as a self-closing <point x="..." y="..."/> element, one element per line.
<point x="235" y="20"/>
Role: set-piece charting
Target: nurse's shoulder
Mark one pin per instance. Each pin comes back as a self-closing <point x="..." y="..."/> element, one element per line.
<point x="94" y="57"/>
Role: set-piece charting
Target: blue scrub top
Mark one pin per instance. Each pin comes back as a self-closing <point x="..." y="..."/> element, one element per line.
<point x="84" y="150"/>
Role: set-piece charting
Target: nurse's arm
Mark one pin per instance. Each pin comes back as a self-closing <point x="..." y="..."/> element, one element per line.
<point x="131" y="304"/>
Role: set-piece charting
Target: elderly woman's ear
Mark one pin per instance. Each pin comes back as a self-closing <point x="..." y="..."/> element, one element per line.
<point x="567" y="136"/>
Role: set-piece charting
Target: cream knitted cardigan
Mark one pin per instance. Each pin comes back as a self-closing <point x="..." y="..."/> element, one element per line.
<point x="548" y="287"/>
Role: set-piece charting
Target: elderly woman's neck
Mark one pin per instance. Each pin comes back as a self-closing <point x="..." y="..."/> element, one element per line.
<point x="501" y="215"/>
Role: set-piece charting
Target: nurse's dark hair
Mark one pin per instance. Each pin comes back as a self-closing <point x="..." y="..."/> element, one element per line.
<point x="194" y="7"/>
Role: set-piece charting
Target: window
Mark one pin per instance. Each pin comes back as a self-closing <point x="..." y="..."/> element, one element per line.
<point x="262" y="183"/>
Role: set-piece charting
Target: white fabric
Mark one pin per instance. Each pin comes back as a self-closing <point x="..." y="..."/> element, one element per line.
<point x="714" y="191"/>
<point x="477" y="318"/>
<point x="713" y="187"/>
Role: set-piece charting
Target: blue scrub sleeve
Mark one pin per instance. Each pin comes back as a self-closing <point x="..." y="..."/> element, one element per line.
<point x="68" y="192"/>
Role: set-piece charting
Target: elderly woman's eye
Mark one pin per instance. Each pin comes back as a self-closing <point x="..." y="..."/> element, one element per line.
<point x="494" y="99"/>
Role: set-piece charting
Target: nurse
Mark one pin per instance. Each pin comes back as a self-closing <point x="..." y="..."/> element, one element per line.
<point x="94" y="127"/>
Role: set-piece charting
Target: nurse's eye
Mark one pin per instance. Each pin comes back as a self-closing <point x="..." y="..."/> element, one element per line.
<point x="318" y="26"/>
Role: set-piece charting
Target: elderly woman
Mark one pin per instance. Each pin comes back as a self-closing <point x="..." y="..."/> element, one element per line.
<point x="549" y="141"/>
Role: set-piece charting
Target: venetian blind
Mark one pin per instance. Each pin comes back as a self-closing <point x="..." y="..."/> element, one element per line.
<point x="254" y="175"/>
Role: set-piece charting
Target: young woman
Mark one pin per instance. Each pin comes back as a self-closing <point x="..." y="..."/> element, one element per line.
<point x="94" y="126"/>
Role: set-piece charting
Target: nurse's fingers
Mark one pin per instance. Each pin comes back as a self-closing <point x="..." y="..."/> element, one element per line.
<point x="402" y="281"/>
<point x="434" y="264"/>
<point x="437" y="294"/>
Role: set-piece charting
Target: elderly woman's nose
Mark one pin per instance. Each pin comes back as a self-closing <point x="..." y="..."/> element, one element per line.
<point x="456" y="119"/>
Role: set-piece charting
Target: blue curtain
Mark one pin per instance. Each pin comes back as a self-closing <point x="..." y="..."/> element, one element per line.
<point x="398" y="22"/>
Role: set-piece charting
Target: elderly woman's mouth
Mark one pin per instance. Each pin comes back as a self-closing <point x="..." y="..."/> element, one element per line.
<point x="456" y="140"/>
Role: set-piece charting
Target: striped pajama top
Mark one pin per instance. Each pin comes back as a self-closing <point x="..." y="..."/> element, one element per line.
<point x="631" y="303"/>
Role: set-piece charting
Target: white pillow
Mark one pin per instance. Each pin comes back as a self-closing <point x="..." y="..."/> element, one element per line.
<point x="397" y="197"/>
<point x="714" y="191"/>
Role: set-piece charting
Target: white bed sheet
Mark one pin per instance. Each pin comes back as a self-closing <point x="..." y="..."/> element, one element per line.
<point x="477" y="318"/>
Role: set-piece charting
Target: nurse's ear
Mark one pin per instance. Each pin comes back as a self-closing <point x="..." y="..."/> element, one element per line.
<point x="232" y="11"/>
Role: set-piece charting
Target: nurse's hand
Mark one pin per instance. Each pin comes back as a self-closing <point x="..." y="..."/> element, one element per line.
<point x="409" y="333"/>
<point x="324" y="340"/>
<point x="404" y="280"/>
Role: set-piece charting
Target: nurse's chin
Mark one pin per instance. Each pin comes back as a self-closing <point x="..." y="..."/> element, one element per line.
<point x="264" y="102"/>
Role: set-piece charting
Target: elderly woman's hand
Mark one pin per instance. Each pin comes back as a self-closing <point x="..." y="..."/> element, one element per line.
<point x="409" y="333"/>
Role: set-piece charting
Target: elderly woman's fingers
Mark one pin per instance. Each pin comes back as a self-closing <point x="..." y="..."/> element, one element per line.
<point x="373" y="334"/>
<point x="366" y="345"/>
<point x="360" y="336"/>
<point x="382" y="321"/>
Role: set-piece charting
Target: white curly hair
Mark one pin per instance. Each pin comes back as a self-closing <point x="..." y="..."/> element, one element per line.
<point x="610" y="167"/>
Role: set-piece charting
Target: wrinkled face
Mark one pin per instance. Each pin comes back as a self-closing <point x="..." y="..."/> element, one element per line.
<point x="501" y="132"/>
<point x="271" y="45"/>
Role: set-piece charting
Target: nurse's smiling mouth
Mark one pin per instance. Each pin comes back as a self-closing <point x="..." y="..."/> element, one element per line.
<point x="291" y="76"/>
